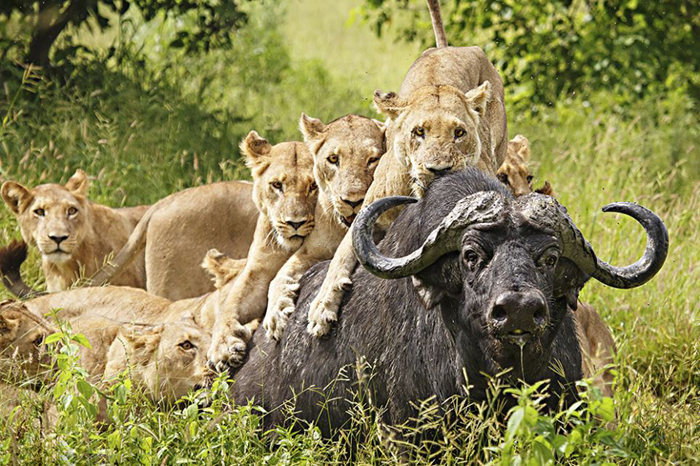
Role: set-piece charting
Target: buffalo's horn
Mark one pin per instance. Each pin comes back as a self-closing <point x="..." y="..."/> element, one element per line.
<point x="577" y="249"/>
<point x="481" y="208"/>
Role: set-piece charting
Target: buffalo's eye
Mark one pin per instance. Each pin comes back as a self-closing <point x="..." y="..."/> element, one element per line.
<point x="549" y="259"/>
<point x="419" y="132"/>
<point x="39" y="212"/>
<point x="38" y="340"/>
<point x="529" y="178"/>
<point x="460" y="132"/>
<point x="372" y="161"/>
<point x="333" y="159"/>
<point x="471" y="259"/>
<point x="277" y="185"/>
<point x="503" y="178"/>
<point x="186" y="345"/>
<point x="72" y="211"/>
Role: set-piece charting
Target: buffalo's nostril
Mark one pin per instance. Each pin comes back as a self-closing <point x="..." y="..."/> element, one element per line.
<point x="499" y="314"/>
<point x="540" y="315"/>
<point x="58" y="239"/>
<point x="296" y="225"/>
<point x="353" y="204"/>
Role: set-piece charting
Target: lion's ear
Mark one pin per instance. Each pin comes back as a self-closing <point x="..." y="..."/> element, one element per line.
<point x="521" y="146"/>
<point x="389" y="104"/>
<point x="256" y="150"/>
<point x="9" y="322"/>
<point x="478" y="98"/>
<point x="78" y="184"/>
<point x="311" y="128"/>
<point x="16" y="196"/>
<point x="141" y="341"/>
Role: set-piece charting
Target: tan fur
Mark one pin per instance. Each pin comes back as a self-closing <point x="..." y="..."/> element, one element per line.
<point x="180" y="229"/>
<point x="515" y="173"/>
<point x="346" y="153"/>
<point x="245" y="298"/>
<point x="92" y="231"/>
<point x="598" y="347"/>
<point x="448" y="114"/>
<point x="221" y="267"/>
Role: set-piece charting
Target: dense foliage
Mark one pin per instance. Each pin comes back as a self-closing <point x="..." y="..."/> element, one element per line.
<point x="549" y="49"/>
<point x="208" y="22"/>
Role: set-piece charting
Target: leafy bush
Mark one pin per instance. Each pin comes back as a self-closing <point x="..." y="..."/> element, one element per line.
<point x="549" y="49"/>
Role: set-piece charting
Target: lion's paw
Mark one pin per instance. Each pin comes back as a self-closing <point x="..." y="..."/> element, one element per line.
<point x="228" y="349"/>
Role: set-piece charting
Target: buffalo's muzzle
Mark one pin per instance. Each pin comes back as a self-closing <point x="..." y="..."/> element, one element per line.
<point x="518" y="315"/>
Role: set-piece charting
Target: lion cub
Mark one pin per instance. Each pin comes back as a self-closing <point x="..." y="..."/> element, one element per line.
<point x="73" y="234"/>
<point x="515" y="173"/>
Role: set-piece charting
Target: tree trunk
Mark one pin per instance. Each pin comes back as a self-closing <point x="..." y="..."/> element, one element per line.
<point x="49" y="25"/>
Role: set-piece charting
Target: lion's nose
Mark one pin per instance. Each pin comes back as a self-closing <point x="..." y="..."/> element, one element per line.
<point x="353" y="204"/>
<point x="295" y="225"/>
<point x="58" y="239"/>
<point x="439" y="170"/>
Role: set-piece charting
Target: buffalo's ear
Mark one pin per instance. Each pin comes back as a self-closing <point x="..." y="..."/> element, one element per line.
<point x="389" y="104"/>
<point x="439" y="281"/>
<point x="430" y="296"/>
<point x="256" y="150"/>
<point x="478" y="98"/>
<point x="16" y="196"/>
<point x="568" y="282"/>
<point x="78" y="184"/>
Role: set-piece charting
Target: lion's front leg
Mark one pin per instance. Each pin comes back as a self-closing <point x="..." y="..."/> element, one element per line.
<point x="280" y="304"/>
<point x="229" y="344"/>
<point x="323" y="311"/>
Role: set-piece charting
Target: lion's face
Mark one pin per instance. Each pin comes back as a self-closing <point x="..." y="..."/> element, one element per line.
<point x="435" y="130"/>
<point x="51" y="217"/>
<point x="166" y="360"/>
<point x="23" y="355"/>
<point x="346" y="153"/>
<point x="284" y="189"/>
<point x="514" y="171"/>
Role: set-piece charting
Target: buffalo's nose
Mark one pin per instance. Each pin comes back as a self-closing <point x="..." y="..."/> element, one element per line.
<point x="439" y="170"/>
<point x="58" y="239"/>
<point x="353" y="204"/>
<point x="295" y="225"/>
<point x="517" y="313"/>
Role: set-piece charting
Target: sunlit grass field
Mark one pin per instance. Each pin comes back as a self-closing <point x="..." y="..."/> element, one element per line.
<point x="141" y="135"/>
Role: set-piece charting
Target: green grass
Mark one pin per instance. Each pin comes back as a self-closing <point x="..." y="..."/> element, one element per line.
<point x="144" y="132"/>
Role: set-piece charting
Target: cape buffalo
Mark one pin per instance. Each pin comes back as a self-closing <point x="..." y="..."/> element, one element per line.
<point x="468" y="281"/>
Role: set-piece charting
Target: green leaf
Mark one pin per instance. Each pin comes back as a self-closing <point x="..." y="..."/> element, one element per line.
<point x="54" y="337"/>
<point x="81" y="339"/>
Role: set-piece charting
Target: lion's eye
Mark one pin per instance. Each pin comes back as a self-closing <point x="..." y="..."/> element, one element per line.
<point x="372" y="161"/>
<point x="313" y="187"/>
<point x="186" y="345"/>
<point x="333" y="159"/>
<point x="277" y="185"/>
<point x="529" y="178"/>
<point x="459" y="132"/>
<point x="419" y="132"/>
<point x="39" y="212"/>
<point x="38" y="340"/>
<point x="503" y="178"/>
<point x="72" y="211"/>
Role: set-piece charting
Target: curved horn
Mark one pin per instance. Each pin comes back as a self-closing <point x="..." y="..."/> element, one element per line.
<point x="480" y="208"/>
<point x="580" y="251"/>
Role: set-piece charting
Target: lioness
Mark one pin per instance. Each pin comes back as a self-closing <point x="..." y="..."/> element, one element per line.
<point x="73" y="234"/>
<point x="448" y="114"/>
<point x="515" y="173"/>
<point x="344" y="171"/>
<point x="180" y="229"/>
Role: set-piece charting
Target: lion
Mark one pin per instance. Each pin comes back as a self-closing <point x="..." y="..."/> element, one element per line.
<point x="598" y="347"/>
<point x="224" y="216"/>
<point x="515" y="173"/>
<point x="346" y="153"/>
<point x="73" y="234"/>
<point x="448" y="114"/>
